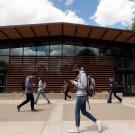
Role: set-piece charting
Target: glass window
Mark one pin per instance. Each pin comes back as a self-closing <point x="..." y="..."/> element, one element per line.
<point x="79" y="50"/>
<point x="4" y="51"/>
<point x="4" y="59"/>
<point x="29" y="51"/>
<point x="43" y="51"/>
<point x="55" y="50"/>
<point x="68" y="50"/>
<point x="16" y="51"/>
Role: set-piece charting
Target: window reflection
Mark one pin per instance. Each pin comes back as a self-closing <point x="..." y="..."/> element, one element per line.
<point x="16" y="51"/>
<point x="4" y="59"/>
<point x="68" y="50"/>
<point x="4" y="51"/>
<point x="56" y="50"/>
<point x="29" y="51"/>
<point x="43" y="51"/>
<point x="86" y="51"/>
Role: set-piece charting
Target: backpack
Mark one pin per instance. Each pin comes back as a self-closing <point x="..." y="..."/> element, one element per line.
<point x="90" y="88"/>
<point x="23" y="84"/>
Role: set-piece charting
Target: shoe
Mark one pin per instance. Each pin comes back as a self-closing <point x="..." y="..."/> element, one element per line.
<point x="109" y="102"/>
<point x="18" y="108"/>
<point x="34" y="110"/>
<point x="74" y="130"/>
<point x="99" y="125"/>
<point x="120" y="100"/>
<point x="48" y="102"/>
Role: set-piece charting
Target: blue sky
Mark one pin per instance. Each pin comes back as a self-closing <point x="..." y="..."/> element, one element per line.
<point x="86" y="9"/>
<point x="83" y="8"/>
<point x="106" y="13"/>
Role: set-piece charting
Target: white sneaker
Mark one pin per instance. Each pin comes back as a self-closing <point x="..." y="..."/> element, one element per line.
<point x="99" y="125"/>
<point x="74" y="130"/>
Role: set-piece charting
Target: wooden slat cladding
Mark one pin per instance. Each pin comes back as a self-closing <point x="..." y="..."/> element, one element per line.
<point x="57" y="69"/>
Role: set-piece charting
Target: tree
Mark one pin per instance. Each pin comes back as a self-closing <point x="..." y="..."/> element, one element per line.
<point x="86" y="52"/>
<point x="133" y="26"/>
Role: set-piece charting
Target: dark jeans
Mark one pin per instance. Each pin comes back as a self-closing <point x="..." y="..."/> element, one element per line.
<point x="115" y="95"/>
<point x="66" y="95"/>
<point x="81" y="106"/>
<point x="29" y="97"/>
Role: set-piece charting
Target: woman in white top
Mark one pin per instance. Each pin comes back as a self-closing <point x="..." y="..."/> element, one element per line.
<point x="41" y="90"/>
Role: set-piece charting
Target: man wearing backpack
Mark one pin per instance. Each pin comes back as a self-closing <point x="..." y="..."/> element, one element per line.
<point x="81" y="85"/>
<point x="29" y="92"/>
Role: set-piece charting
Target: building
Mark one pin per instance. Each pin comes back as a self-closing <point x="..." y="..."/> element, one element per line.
<point x="53" y="49"/>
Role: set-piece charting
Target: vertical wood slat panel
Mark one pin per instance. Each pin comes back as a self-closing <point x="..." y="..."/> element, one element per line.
<point x="57" y="69"/>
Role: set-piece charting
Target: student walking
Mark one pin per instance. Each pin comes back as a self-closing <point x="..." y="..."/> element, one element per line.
<point x="81" y="85"/>
<point x="29" y="93"/>
<point x="66" y="89"/>
<point x="41" y="90"/>
<point x="113" y="88"/>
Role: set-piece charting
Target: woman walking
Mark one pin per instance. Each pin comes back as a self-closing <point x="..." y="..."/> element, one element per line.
<point x="41" y="90"/>
<point x="81" y="85"/>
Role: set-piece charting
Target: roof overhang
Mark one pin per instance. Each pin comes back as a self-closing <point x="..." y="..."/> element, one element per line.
<point x="63" y="31"/>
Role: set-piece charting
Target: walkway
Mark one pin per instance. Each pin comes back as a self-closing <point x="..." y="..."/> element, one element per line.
<point x="57" y="118"/>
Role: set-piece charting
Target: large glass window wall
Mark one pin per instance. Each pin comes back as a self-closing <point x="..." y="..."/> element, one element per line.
<point x="55" y="50"/>
<point x="16" y="52"/>
<point x="42" y="50"/>
<point x="68" y="50"/>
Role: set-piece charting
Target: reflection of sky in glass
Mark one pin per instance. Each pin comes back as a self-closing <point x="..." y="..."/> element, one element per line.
<point x="4" y="51"/>
<point x="56" y="50"/>
<point x="16" y="51"/>
<point x="42" y="50"/>
<point x="29" y="51"/>
<point x="68" y="50"/>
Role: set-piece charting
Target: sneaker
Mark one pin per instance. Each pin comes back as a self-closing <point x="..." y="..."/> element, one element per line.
<point x="74" y="130"/>
<point x="34" y="110"/>
<point x="49" y="102"/>
<point x="99" y="125"/>
<point x="109" y="102"/>
<point x="120" y="100"/>
<point x="18" y="108"/>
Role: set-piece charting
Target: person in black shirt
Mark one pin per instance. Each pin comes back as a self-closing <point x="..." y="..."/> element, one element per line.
<point x="66" y="89"/>
<point x="113" y="88"/>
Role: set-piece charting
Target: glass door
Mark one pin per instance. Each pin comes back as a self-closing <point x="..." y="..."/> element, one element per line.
<point x="131" y="83"/>
<point x="127" y="82"/>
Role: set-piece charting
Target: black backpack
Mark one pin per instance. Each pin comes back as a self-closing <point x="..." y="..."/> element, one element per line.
<point x="89" y="90"/>
<point x="23" y="84"/>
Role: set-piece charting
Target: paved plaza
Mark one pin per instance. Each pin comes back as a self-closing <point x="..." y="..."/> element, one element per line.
<point x="57" y="118"/>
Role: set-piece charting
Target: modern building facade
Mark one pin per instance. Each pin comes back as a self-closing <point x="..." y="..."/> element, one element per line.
<point x="53" y="49"/>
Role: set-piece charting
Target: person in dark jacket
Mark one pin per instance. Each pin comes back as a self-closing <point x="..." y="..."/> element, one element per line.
<point x="29" y="92"/>
<point x="66" y="89"/>
<point x="113" y="88"/>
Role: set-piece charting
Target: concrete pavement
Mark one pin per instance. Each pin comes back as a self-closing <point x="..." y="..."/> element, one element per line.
<point x="57" y="118"/>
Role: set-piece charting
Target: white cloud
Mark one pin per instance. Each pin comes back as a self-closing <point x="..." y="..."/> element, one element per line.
<point x="14" y="12"/>
<point x="67" y="2"/>
<point x="111" y="12"/>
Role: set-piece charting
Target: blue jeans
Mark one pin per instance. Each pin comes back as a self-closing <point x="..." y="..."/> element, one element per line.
<point x="41" y="91"/>
<point x="81" y="106"/>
